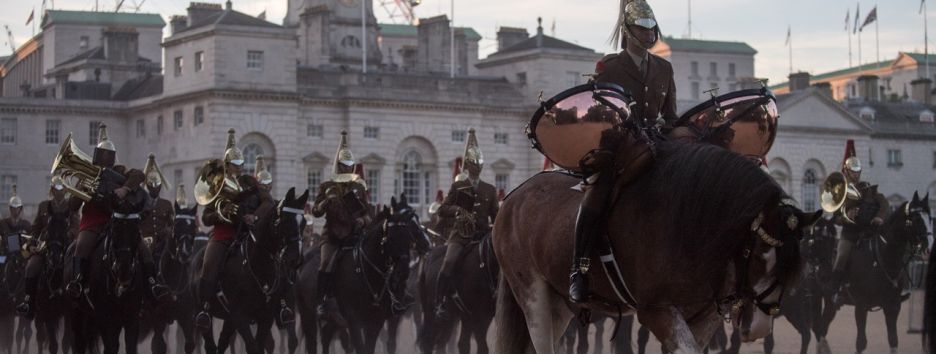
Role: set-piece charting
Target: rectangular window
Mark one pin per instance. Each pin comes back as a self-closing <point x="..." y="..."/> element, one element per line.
<point x="6" y="187"/>
<point x="695" y="68"/>
<point x="199" y="60"/>
<point x="731" y="70"/>
<point x="501" y="138"/>
<point x="459" y="136"/>
<point x="255" y="59"/>
<point x="178" y="66"/>
<point x="8" y="131"/>
<point x="159" y="125"/>
<point x="140" y="128"/>
<point x="502" y="182"/>
<point x="177" y="174"/>
<point x="713" y="69"/>
<point x="696" y="90"/>
<point x="177" y="120"/>
<point x="315" y="130"/>
<point x="314" y="177"/>
<point x="373" y="185"/>
<point x="521" y="78"/>
<point x="371" y="132"/>
<point x="52" y="131"/>
<point x="83" y="43"/>
<point x="199" y="115"/>
<point x="93" y="132"/>
<point x="893" y="158"/>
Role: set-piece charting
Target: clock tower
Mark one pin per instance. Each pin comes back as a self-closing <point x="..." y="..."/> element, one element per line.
<point x="332" y="33"/>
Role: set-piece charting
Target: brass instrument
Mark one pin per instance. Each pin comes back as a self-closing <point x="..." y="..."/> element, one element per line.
<point x="215" y="187"/>
<point x="74" y="165"/>
<point x="835" y="190"/>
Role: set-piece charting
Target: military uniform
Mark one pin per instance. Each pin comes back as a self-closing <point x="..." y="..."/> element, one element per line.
<point x="11" y="233"/>
<point x="10" y="228"/>
<point x="484" y="212"/>
<point x="654" y="90"/>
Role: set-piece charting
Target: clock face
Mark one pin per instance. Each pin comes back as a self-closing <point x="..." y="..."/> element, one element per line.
<point x="349" y="3"/>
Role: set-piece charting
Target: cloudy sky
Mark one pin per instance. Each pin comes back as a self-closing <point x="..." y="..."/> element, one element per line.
<point x="820" y="42"/>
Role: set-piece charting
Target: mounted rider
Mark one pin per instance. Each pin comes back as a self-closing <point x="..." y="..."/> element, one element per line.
<point x="232" y="214"/>
<point x="12" y="230"/>
<point x="349" y="191"/>
<point x="472" y="205"/>
<point x="112" y="202"/>
<point x="265" y="185"/>
<point x="861" y="215"/>
<point x="649" y="79"/>
<point x="58" y="205"/>
<point x="158" y="218"/>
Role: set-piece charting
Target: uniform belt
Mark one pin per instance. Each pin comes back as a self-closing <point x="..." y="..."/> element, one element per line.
<point x="126" y="216"/>
<point x="186" y="217"/>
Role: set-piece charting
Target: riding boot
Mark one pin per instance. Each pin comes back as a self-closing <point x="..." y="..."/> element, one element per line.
<point x="206" y="291"/>
<point x="443" y="292"/>
<point x="79" y="279"/>
<point x="328" y="306"/>
<point x="158" y="290"/>
<point x="586" y="230"/>
<point x="26" y="307"/>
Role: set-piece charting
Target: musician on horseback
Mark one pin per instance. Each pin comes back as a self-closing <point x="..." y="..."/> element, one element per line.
<point x="348" y="191"/>
<point x="232" y="214"/>
<point x="472" y="204"/>
<point x="12" y="229"/>
<point x="58" y="205"/>
<point x="649" y="78"/>
<point x="158" y="218"/>
<point x="862" y="213"/>
<point x="112" y="202"/>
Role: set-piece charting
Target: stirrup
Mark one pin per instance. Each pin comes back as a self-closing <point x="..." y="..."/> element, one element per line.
<point x="203" y="318"/>
<point x="24" y="309"/>
<point x="74" y="289"/>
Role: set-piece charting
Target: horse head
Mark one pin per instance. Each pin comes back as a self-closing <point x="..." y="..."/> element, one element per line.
<point x="287" y="228"/>
<point x="913" y="223"/>
<point x="56" y="240"/>
<point x="768" y="266"/>
<point x="818" y="247"/>
<point x="406" y="221"/>
<point x="181" y="243"/>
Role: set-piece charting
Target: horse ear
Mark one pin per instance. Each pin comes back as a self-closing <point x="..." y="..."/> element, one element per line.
<point x="916" y="196"/>
<point x="305" y="196"/>
<point x="176" y="207"/>
<point x="808" y="220"/>
<point x="393" y="202"/>
<point x="291" y="195"/>
<point x="386" y="209"/>
<point x="403" y="198"/>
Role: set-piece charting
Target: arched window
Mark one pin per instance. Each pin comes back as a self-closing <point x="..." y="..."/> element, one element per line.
<point x="251" y="151"/>
<point x="412" y="177"/>
<point x="810" y="190"/>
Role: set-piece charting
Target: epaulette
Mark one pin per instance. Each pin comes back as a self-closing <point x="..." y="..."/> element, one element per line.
<point x="603" y="62"/>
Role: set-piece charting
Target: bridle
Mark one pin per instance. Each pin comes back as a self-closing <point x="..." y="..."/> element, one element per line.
<point x="280" y="269"/>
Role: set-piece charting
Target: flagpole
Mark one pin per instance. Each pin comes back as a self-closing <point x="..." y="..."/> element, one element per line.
<point x="790" y="40"/>
<point x="859" y="47"/>
<point x="926" y="42"/>
<point x="364" y="36"/>
<point x="877" y="37"/>
<point x="849" y="31"/>
<point x="452" y="42"/>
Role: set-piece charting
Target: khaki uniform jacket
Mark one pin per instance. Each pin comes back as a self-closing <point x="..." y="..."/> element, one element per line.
<point x="157" y="221"/>
<point x="485" y="209"/>
<point x="334" y="229"/>
<point x="7" y="228"/>
<point x="868" y="192"/>
<point x="40" y="223"/>
<point x="654" y="94"/>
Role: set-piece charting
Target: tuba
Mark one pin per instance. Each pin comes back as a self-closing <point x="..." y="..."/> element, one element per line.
<point x="79" y="176"/>
<point x="835" y="190"/>
<point x="215" y="187"/>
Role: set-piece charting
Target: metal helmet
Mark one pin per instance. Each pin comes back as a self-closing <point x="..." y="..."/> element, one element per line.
<point x="457" y="174"/>
<point x="343" y="156"/>
<point x="473" y="155"/>
<point x="263" y="176"/>
<point x="851" y="161"/>
<point x="634" y="13"/>
<point x="180" y="198"/>
<point x="154" y="177"/>
<point x="57" y="183"/>
<point x="232" y="154"/>
<point x="15" y="201"/>
<point x="105" y="153"/>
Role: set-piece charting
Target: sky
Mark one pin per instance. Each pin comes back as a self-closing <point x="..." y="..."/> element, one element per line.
<point x="818" y="36"/>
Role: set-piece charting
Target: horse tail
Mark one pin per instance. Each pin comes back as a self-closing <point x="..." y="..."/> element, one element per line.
<point x="513" y="336"/>
<point x="929" y="309"/>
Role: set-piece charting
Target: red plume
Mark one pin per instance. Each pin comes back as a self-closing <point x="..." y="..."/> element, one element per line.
<point x="457" y="169"/>
<point x="849" y="150"/>
<point x="359" y="170"/>
<point x="501" y="195"/>
<point x="547" y="164"/>
<point x="440" y="197"/>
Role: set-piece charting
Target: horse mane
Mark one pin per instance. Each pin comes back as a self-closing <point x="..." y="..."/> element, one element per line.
<point x="720" y="193"/>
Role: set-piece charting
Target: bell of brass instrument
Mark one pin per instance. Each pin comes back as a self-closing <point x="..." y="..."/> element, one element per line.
<point x="79" y="176"/>
<point x="835" y="190"/>
<point x="215" y="187"/>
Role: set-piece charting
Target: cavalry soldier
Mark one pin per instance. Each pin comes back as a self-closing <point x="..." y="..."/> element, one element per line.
<point x="472" y="203"/>
<point x="859" y="216"/>
<point x="649" y="78"/>
<point x="348" y="190"/>
<point x="265" y="185"/>
<point x="57" y="205"/>
<point x="12" y="230"/>
<point x="111" y="201"/>
<point x="232" y="217"/>
<point x="264" y="177"/>
<point x="158" y="219"/>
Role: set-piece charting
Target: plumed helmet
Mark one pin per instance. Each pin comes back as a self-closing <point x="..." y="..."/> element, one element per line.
<point x="851" y="162"/>
<point x="263" y="175"/>
<point x="57" y="183"/>
<point x="105" y="153"/>
<point x="473" y="155"/>
<point x="343" y="156"/>
<point x="634" y="13"/>
<point x="154" y="177"/>
<point x="15" y="201"/>
<point x="232" y="154"/>
<point x="180" y="198"/>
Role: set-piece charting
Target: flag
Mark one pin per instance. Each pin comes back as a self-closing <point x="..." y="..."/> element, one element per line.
<point x="857" y="15"/>
<point x="847" y="17"/>
<point x="787" y="36"/>
<point x="31" y="15"/>
<point x="262" y="15"/>
<point x="872" y="16"/>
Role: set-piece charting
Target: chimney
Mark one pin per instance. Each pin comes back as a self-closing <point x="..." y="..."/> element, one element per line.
<point x="508" y="36"/>
<point x="920" y="90"/>
<point x="198" y="11"/>
<point x="868" y="88"/>
<point x="178" y="23"/>
<point x="824" y="87"/>
<point x="121" y="45"/>
<point x="539" y="32"/>
<point x="433" y="52"/>
<point x="799" y="81"/>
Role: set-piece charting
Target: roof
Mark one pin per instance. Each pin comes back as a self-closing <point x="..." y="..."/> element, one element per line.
<point x="392" y="29"/>
<point x="232" y="18"/>
<point x="897" y="118"/>
<point x="93" y="53"/>
<point x="146" y="86"/>
<point x="700" y="45"/>
<point x="919" y="57"/>
<point x="548" y="42"/>
<point x="103" y="18"/>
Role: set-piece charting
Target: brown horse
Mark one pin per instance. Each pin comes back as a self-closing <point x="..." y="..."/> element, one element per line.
<point x="702" y="228"/>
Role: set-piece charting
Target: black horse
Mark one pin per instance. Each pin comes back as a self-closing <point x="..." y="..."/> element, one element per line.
<point x="307" y="302"/>
<point x="476" y="286"/>
<point x="249" y="276"/>
<point x="175" y="264"/>
<point x="50" y="303"/>
<point x="878" y="263"/>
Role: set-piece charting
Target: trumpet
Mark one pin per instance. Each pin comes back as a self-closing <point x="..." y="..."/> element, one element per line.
<point x="216" y="187"/>
<point x="75" y="166"/>
<point x="836" y="189"/>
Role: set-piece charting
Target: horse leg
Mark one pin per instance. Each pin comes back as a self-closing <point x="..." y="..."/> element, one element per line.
<point x="158" y="343"/>
<point x="309" y="329"/>
<point x="52" y="333"/>
<point x="671" y="329"/>
<point x="480" y="329"/>
<point x="328" y="333"/>
<point x="582" y="345"/>
<point x="624" y="335"/>
<point x="769" y="343"/>
<point x="568" y="338"/>
<point x="110" y="338"/>
<point x="599" y="335"/>
<point x="891" y="311"/>
<point x="131" y="336"/>
<point x="208" y="342"/>
<point x="464" y="338"/>
<point x="292" y="338"/>
<point x="806" y="336"/>
<point x="251" y="345"/>
<point x="264" y="338"/>
<point x="186" y="327"/>
<point x="371" y="332"/>
<point x="393" y="327"/>
<point x="547" y="316"/>
<point x="226" y="338"/>
<point x="643" y="337"/>
<point x="861" y="321"/>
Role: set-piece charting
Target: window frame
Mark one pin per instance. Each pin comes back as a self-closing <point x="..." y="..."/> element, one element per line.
<point x="178" y="64"/>
<point x="53" y="132"/>
<point x="199" y="61"/>
<point x="9" y="127"/>
<point x="255" y="63"/>
<point x="198" y="115"/>
<point x="178" y="119"/>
